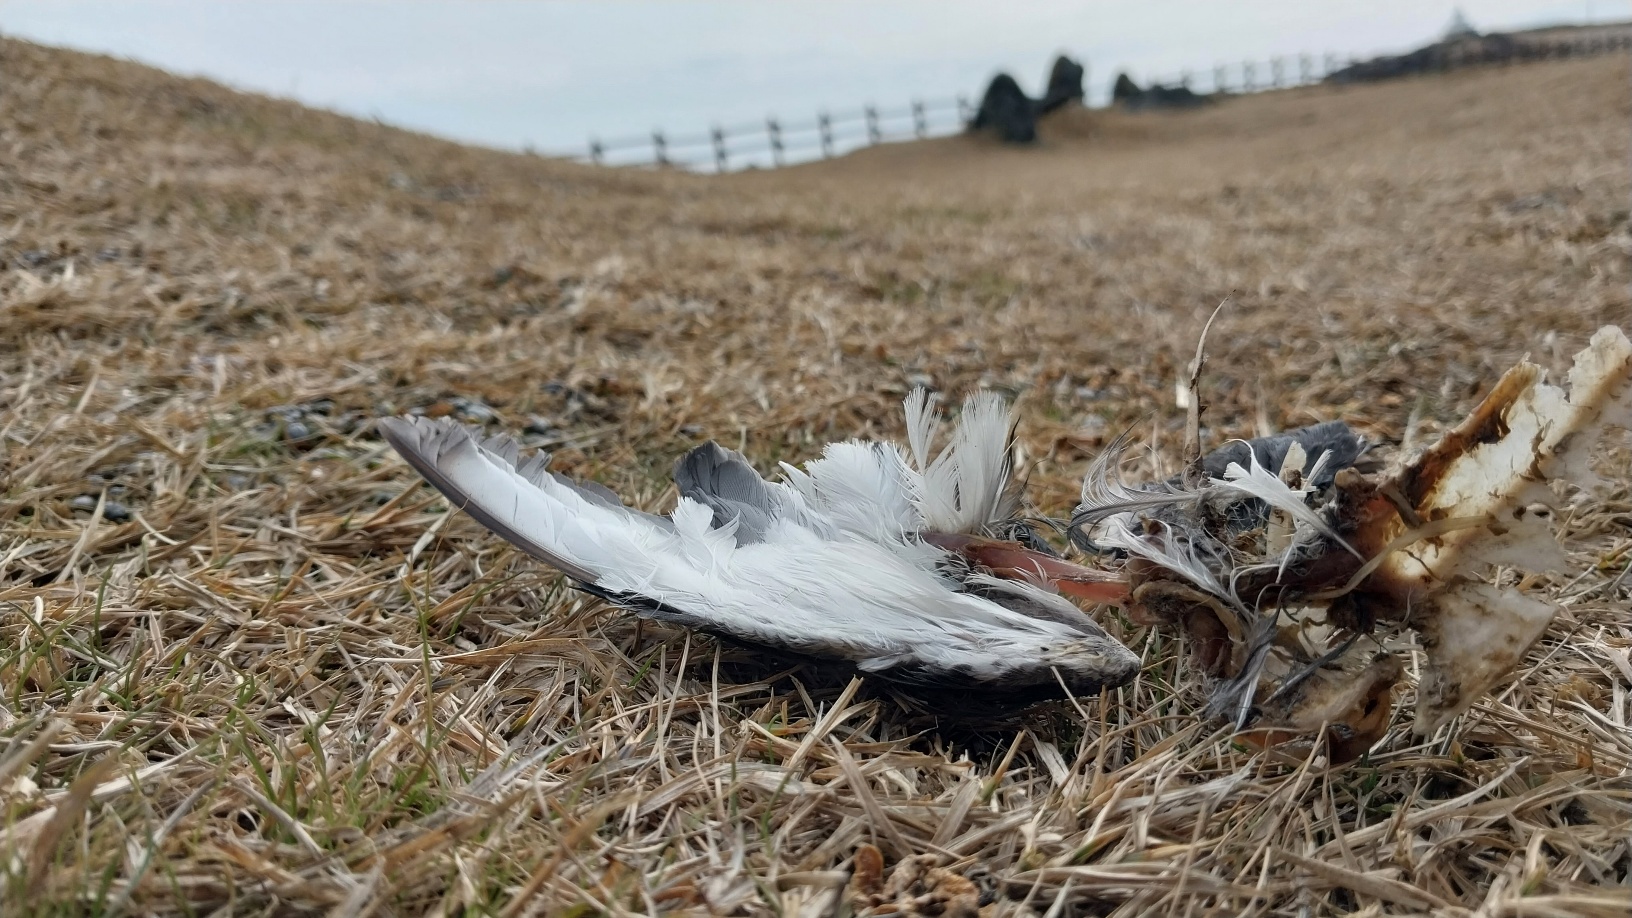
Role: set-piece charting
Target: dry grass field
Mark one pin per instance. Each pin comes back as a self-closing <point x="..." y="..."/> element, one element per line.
<point x="250" y="665"/>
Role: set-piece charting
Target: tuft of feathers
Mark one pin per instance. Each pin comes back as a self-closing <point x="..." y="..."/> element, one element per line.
<point x="965" y="486"/>
<point x="1198" y="532"/>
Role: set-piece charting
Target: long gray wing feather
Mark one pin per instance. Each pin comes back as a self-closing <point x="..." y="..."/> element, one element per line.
<point x="429" y="445"/>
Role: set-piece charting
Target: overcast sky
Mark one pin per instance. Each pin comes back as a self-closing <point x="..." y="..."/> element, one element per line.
<point x="552" y="74"/>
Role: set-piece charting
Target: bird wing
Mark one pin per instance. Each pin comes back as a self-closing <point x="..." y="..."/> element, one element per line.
<point x="795" y="586"/>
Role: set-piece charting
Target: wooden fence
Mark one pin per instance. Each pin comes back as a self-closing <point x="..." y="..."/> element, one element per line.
<point x="776" y="142"/>
<point x="722" y="148"/>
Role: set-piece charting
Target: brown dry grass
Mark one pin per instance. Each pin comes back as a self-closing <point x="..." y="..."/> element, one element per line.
<point x="254" y="672"/>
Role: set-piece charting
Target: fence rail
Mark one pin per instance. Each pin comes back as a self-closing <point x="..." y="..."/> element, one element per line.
<point x="826" y="135"/>
<point x="776" y="142"/>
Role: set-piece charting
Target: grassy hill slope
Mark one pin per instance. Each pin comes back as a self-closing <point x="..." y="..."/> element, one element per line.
<point x="296" y="683"/>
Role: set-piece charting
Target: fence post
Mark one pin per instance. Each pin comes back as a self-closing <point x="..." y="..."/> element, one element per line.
<point x="920" y="122"/>
<point x="661" y="148"/>
<point x="1306" y="69"/>
<point x="775" y="130"/>
<point x="873" y="133"/>
<point x="1184" y="78"/>
<point x="596" y="151"/>
<point x="964" y="115"/>
<point x="1246" y="76"/>
<point x="1219" y="78"/>
<point x="825" y="125"/>
<point x="718" y="135"/>
<point x="1328" y="65"/>
<point x="1277" y="72"/>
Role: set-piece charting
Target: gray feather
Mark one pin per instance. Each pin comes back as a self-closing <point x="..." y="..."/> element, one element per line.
<point x="1344" y="446"/>
<point x="722" y="480"/>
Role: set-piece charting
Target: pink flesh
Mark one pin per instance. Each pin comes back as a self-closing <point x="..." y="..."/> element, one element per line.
<point x="1016" y="562"/>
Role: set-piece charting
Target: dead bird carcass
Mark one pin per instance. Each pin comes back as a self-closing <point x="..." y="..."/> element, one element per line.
<point x="1293" y="567"/>
<point x="1296" y="574"/>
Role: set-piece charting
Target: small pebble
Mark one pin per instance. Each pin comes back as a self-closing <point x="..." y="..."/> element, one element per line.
<point x="472" y="410"/>
<point x="112" y="511"/>
<point x="539" y="426"/>
<point x="1093" y="424"/>
<point x="295" y="431"/>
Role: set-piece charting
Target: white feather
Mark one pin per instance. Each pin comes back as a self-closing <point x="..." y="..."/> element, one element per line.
<point x="1106" y="494"/>
<point x="923" y="423"/>
<point x="981" y="454"/>
<point x="1258" y="481"/>
<point x="1174" y="554"/>
<point x="863" y="488"/>
<point x="962" y="488"/>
